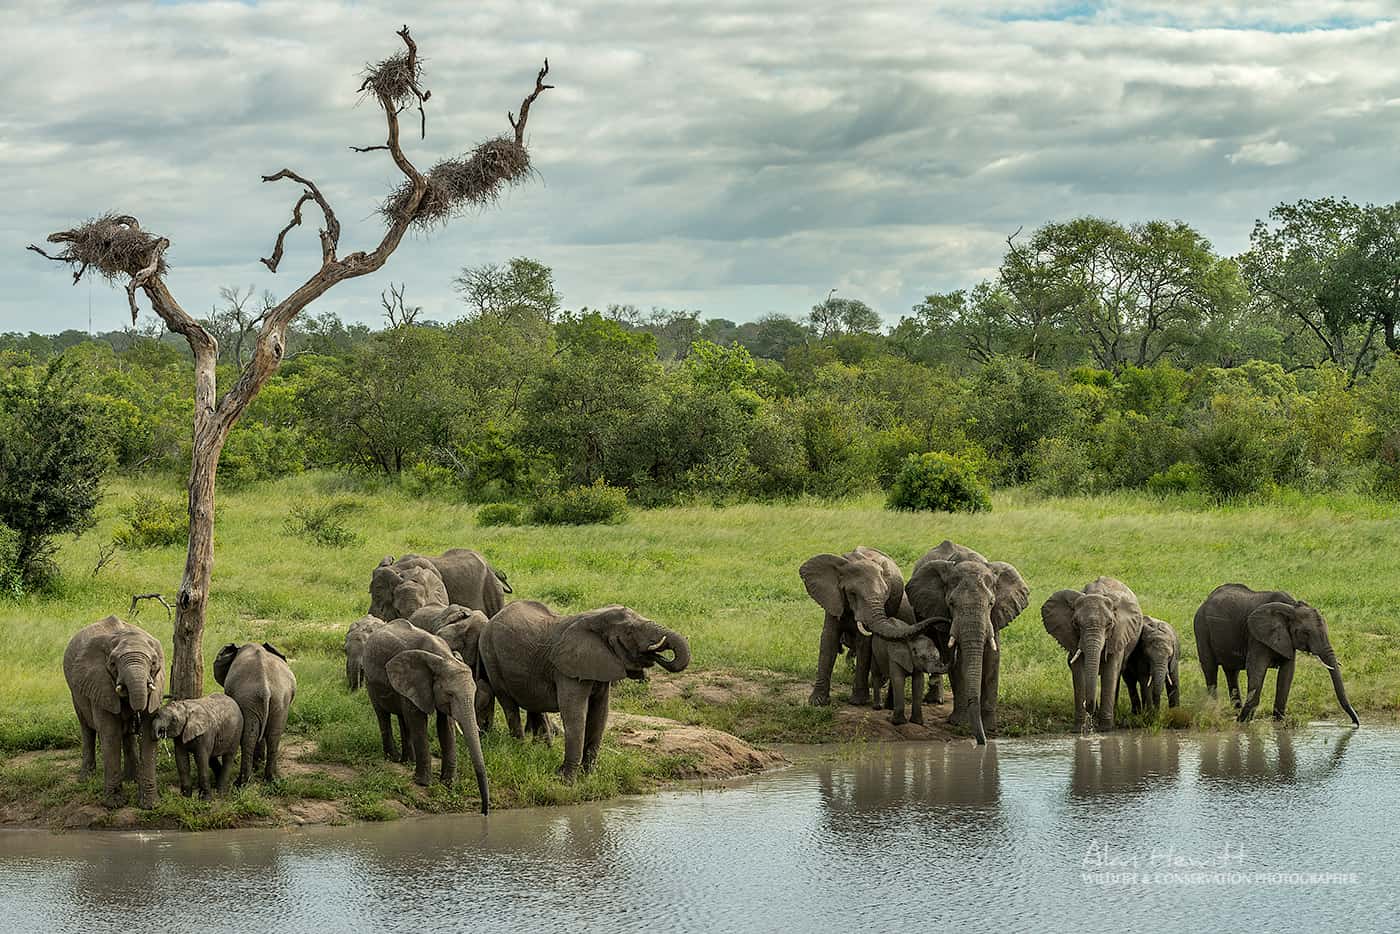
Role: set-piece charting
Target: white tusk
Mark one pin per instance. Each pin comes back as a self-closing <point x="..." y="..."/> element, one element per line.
<point x="1075" y="657"/>
<point x="863" y="631"/>
<point x="1327" y="666"/>
<point x="458" y="727"/>
<point x="952" y="641"/>
<point x="994" y="643"/>
<point x="660" y="644"/>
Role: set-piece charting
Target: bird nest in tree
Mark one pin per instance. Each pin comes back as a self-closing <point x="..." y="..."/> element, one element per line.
<point x="395" y="79"/>
<point x="114" y="245"/>
<point x="454" y="185"/>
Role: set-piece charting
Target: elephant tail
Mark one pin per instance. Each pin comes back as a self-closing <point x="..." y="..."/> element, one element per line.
<point x="505" y="584"/>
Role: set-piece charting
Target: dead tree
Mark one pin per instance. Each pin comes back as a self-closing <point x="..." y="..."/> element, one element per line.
<point x="115" y="247"/>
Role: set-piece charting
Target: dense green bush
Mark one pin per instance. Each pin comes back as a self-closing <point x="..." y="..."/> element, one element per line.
<point x="11" y="581"/>
<point x="596" y="503"/>
<point x="1061" y="467"/>
<point x="938" y="482"/>
<point x="258" y="451"/>
<point x="153" y="522"/>
<point x="428" y="479"/>
<point x="1180" y="477"/>
<point x="1234" y="453"/>
<point x="322" y="523"/>
<point x="500" y="514"/>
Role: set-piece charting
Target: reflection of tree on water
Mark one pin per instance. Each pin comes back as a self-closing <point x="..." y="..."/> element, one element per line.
<point x="1267" y="756"/>
<point x="1119" y="763"/>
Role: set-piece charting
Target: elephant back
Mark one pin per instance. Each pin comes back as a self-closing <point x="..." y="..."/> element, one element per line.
<point x="947" y="550"/>
<point x="470" y="580"/>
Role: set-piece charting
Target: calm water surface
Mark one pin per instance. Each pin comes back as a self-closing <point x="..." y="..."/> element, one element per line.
<point x="1205" y="833"/>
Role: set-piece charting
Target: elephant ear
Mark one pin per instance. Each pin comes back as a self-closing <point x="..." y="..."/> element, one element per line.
<point x="1129" y="619"/>
<point x="91" y="678"/>
<point x="223" y="660"/>
<point x="1270" y="625"/>
<point x="153" y="696"/>
<point x="1012" y="594"/>
<point x="821" y="576"/>
<point x="928" y="588"/>
<point x="900" y="653"/>
<point x="411" y="673"/>
<point x="582" y="652"/>
<point x="273" y="649"/>
<point x="1058" y="615"/>
<point x="198" y="721"/>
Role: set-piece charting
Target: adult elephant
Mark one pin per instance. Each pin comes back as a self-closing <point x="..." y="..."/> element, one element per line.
<point x="259" y="679"/>
<point x="468" y="580"/>
<point x="116" y="675"/>
<point x="398" y="589"/>
<point x="412" y="674"/>
<point x="860" y="592"/>
<point x="1237" y="627"/>
<point x="543" y="662"/>
<point x="976" y="599"/>
<point x="1098" y="627"/>
<point x="1154" y="666"/>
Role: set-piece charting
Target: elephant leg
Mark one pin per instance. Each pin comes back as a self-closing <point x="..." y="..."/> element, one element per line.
<point x="512" y="711"/>
<point x="111" y="740"/>
<point x="597" y="723"/>
<point x="182" y="768"/>
<point x="1210" y="668"/>
<point x="991" y="680"/>
<point x="260" y="753"/>
<point x="1134" y="701"/>
<point x="1174" y="689"/>
<point x="1282" y="686"/>
<point x="573" y="710"/>
<point x="537" y="725"/>
<point x="826" y="660"/>
<point x="422" y="751"/>
<point x="935" y="690"/>
<point x="1258" y="667"/>
<point x="201" y="760"/>
<point x="447" y="739"/>
<point x="485" y="705"/>
<point x="225" y="772"/>
<point x="916" y="697"/>
<point x="271" y="770"/>
<point x="252" y="730"/>
<point x="406" y="753"/>
<point x="89" y="764"/>
<point x="386" y="734"/>
<point x="1109" y="677"/>
<point x="131" y="756"/>
<point x="1232" y="677"/>
<point x="896" y="695"/>
<point x="860" y="691"/>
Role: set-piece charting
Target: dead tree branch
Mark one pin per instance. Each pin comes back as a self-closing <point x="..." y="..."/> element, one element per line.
<point x="330" y="235"/>
<point x="132" y="611"/>
<point x="540" y="88"/>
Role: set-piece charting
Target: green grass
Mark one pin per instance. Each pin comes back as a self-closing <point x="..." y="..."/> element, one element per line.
<point x="727" y="578"/>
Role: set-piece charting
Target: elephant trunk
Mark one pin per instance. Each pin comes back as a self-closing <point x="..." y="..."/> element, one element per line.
<point x="466" y="721"/>
<point x="132" y="677"/>
<point x="680" y="652"/>
<point x="972" y="686"/>
<point x="1091" y="644"/>
<point x="352" y="672"/>
<point x="874" y="621"/>
<point x="1330" y="660"/>
<point x="1159" y="680"/>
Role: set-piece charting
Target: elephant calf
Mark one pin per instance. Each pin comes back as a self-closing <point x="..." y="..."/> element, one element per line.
<point x="259" y="679"/>
<point x="355" y="640"/>
<point x="208" y="728"/>
<point x="544" y="662"/>
<point x="896" y="660"/>
<point x="1153" y="665"/>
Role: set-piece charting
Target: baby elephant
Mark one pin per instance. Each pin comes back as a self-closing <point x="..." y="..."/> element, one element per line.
<point x="897" y="659"/>
<point x="208" y="728"/>
<point x="1153" y="665"/>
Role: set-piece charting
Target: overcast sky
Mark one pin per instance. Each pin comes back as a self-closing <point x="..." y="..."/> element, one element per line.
<point x="737" y="158"/>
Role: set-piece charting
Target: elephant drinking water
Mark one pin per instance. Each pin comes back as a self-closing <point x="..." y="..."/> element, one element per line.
<point x="1098" y="627"/>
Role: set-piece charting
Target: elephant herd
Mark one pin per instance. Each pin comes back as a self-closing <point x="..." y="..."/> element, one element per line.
<point x="116" y="676"/>
<point x="946" y="619"/>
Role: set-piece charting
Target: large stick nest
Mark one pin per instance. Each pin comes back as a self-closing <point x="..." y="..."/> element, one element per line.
<point x="396" y="79"/>
<point x="114" y="245"/>
<point x="455" y="185"/>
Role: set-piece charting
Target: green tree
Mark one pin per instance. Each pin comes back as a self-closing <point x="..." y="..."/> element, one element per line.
<point x="522" y="288"/>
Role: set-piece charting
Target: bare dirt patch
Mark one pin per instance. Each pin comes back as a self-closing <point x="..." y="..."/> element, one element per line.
<point x="705" y="753"/>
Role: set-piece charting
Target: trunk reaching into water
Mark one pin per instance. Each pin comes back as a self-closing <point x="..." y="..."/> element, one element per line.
<point x="972" y="687"/>
<point x="472" y="734"/>
<point x="1091" y="671"/>
<point x="1337" y="686"/>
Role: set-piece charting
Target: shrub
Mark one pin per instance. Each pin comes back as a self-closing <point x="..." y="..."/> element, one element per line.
<point x="500" y="514"/>
<point x="11" y="582"/>
<point x="582" y="505"/>
<point x="425" y="479"/>
<point x="1180" y="477"/>
<point x="152" y="522"/>
<point x="256" y="451"/>
<point x="320" y="523"/>
<point x="938" y="482"/>
<point x="1060" y="467"/>
<point x="1234" y="454"/>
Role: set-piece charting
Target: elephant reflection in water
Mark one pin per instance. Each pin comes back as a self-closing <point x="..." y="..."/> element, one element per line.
<point x="1253" y="758"/>
<point x="1118" y="763"/>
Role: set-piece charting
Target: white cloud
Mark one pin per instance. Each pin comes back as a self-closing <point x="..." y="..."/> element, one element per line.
<point x="737" y="156"/>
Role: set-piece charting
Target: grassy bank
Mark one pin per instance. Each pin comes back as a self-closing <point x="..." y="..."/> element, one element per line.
<point x="725" y="577"/>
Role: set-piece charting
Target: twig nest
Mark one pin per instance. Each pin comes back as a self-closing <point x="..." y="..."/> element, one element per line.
<point x="457" y="184"/>
<point x="114" y="245"/>
<point x="395" y="79"/>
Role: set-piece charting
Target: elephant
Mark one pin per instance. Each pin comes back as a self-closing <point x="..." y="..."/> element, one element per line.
<point x="435" y="617"/>
<point x="355" y="649"/>
<point x="896" y="660"/>
<point x="398" y="589"/>
<point x="1098" y="627"/>
<point x="411" y="674"/>
<point x="856" y="590"/>
<point x="259" y="679"/>
<point x="208" y="728"/>
<point x="1153" y="665"/>
<point x="543" y="662"/>
<point x="116" y="674"/>
<point x="468" y="579"/>
<point x="953" y="586"/>
<point x="1237" y="627"/>
<point x="463" y="636"/>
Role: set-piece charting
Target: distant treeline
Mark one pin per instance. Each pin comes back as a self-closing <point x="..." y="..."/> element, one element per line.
<point x="1100" y="356"/>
